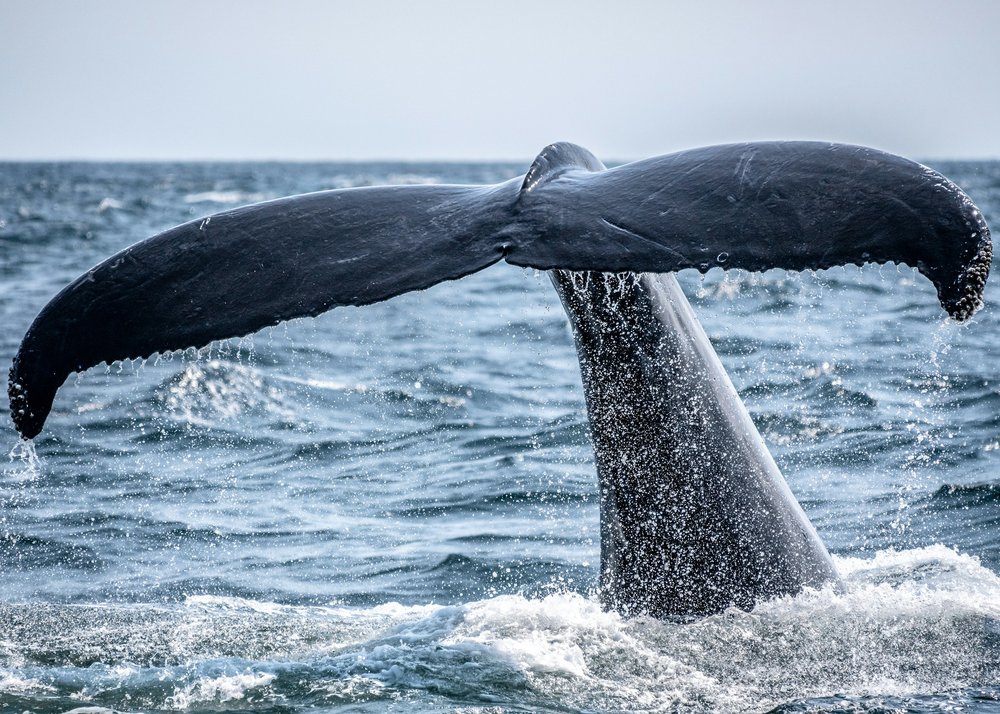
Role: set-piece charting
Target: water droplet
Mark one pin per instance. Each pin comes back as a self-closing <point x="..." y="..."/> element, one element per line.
<point x="722" y="257"/>
<point x="24" y="452"/>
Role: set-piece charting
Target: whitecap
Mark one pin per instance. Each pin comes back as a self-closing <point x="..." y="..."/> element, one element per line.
<point x="224" y="197"/>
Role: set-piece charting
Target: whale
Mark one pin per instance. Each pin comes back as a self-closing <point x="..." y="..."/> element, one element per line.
<point x="695" y="515"/>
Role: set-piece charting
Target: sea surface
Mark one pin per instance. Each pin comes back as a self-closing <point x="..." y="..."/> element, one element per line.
<point x="394" y="508"/>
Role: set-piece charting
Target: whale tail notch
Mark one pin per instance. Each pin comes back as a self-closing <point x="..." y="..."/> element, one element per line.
<point x="794" y="205"/>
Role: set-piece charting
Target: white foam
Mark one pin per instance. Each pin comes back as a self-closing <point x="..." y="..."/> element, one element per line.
<point x="109" y="204"/>
<point x="904" y="623"/>
<point x="536" y="636"/>
<point x="223" y="602"/>
<point x="14" y="683"/>
<point x="224" y="197"/>
<point x="220" y="689"/>
<point x="411" y="179"/>
<point x="328" y="384"/>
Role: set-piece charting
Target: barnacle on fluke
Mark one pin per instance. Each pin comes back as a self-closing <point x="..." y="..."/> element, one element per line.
<point x="966" y="297"/>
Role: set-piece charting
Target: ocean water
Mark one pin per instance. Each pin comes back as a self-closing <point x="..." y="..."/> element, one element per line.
<point x="394" y="508"/>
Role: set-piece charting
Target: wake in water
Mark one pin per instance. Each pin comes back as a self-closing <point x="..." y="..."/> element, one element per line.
<point x="906" y="623"/>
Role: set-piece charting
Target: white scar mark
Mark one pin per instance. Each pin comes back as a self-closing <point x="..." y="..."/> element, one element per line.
<point x="350" y="260"/>
<point x="741" y="172"/>
<point x="684" y="261"/>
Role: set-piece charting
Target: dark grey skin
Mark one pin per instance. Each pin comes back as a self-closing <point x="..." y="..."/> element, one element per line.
<point x="695" y="516"/>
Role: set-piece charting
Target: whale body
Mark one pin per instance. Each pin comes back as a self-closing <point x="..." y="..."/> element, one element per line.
<point x="695" y="514"/>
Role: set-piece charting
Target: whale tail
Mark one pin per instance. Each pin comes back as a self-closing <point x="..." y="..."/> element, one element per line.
<point x="794" y="205"/>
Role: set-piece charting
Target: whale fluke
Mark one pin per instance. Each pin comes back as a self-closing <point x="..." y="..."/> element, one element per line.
<point x="695" y="514"/>
<point x="756" y="206"/>
<point x="794" y="205"/>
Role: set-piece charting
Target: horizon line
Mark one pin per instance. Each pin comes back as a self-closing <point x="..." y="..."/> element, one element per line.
<point x="377" y="160"/>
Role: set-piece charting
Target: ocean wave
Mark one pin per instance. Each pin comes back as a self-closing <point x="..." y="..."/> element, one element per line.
<point x="28" y="551"/>
<point x="479" y="502"/>
<point x="964" y="496"/>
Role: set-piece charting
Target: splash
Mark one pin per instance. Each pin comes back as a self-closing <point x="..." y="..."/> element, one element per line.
<point x="24" y="458"/>
<point x="907" y="623"/>
<point x="207" y="391"/>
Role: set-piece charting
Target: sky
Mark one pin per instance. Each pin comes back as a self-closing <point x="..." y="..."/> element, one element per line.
<point x="443" y="79"/>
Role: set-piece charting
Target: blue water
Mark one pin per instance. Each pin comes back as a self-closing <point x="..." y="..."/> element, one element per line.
<point x="394" y="507"/>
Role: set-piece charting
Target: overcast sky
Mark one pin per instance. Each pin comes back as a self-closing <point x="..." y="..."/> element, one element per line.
<point x="318" y="79"/>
